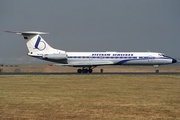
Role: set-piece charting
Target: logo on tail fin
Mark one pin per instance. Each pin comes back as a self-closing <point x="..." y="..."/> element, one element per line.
<point x="40" y="45"/>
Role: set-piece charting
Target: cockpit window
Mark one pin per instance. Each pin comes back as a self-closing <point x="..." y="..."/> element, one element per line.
<point x="161" y="54"/>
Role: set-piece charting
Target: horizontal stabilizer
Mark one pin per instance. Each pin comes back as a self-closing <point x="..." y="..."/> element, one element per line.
<point x="27" y="32"/>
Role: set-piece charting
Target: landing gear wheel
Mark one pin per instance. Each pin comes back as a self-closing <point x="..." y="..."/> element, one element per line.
<point x="90" y="70"/>
<point x="157" y="71"/>
<point x="79" y="71"/>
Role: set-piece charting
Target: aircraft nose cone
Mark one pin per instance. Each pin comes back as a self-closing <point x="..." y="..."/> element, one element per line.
<point x="174" y="60"/>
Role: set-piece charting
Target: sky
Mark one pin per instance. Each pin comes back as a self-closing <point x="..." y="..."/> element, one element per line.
<point x="91" y="25"/>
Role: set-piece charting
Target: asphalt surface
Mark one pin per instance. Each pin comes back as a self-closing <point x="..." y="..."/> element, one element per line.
<point x="122" y="73"/>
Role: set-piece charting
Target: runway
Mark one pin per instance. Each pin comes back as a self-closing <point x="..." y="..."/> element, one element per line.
<point x="115" y="73"/>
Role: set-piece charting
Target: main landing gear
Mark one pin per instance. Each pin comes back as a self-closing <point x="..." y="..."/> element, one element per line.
<point x="85" y="70"/>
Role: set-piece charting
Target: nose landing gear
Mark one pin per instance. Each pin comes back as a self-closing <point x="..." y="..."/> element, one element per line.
<point x="157" y="68"/>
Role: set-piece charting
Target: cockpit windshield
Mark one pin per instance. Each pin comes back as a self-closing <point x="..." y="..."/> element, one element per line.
<point x="161" y="54"/>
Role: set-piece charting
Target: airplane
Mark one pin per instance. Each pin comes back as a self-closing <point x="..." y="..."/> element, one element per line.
<point x="40" y="49"/>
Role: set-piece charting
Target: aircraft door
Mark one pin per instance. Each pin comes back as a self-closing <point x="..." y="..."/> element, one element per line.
<point x="90" y="57"/>
<point x="150" y="58"/>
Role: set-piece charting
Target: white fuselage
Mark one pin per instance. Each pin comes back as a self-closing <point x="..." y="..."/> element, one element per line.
<point x="116" y="58"/>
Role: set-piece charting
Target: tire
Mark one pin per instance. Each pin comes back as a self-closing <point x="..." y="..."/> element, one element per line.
<point x="79" y="71"/>
<point x="90" y="70"/>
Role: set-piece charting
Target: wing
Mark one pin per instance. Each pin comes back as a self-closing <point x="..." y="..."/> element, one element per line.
<point x="85" y="64"/>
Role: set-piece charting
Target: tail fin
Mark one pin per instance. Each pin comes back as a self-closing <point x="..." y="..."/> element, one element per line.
<point x="35" y="43"/>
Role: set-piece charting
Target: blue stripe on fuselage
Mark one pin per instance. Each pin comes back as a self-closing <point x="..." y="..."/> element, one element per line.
<point x="130" y="58"/>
